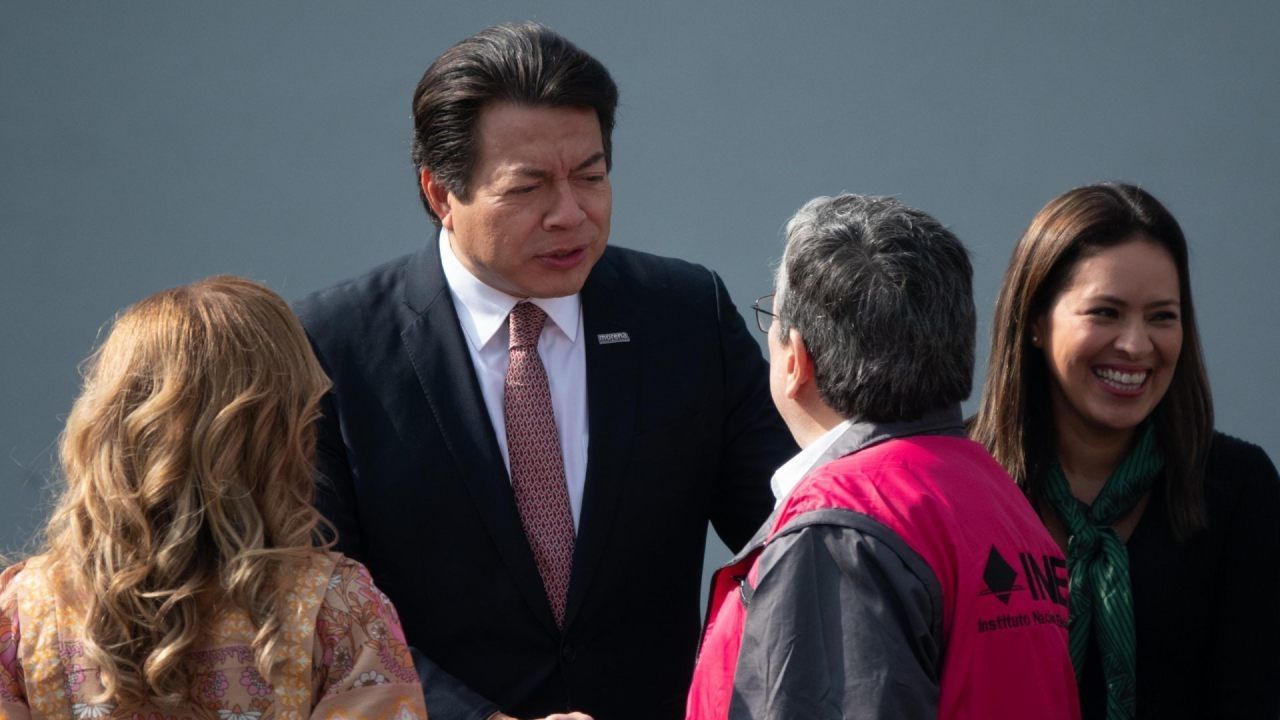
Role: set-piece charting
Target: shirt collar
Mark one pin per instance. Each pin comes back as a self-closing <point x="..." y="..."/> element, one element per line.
<point x="851" y="436"/>
<point x="482" y="310"/>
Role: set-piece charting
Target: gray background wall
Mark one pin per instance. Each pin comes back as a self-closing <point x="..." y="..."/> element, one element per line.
<point x="147" y="144"/>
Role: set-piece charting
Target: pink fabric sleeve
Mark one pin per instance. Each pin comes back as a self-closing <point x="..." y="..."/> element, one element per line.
<point x="13" y="695"/>
<point x="362" y="666"/>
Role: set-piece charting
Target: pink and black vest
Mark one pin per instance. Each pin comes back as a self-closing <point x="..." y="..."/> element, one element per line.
<point x="997" y="580"/>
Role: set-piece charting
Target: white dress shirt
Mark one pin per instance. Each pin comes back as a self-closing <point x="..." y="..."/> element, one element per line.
<point x="820" y="452"/>
<point x="482" y="313"/>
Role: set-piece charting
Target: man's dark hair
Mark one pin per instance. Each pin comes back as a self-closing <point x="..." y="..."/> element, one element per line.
<point x="882" y="296"/>
<point x="527" y="64"/>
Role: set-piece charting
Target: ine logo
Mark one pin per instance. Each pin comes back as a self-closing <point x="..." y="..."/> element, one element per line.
<point x="1001" y="578"/>
<point x="1045" y="575"/>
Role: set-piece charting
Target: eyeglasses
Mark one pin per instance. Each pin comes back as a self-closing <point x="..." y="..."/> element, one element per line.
<point x="764" y="317"/>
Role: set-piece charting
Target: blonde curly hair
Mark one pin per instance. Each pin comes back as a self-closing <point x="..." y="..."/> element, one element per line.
<point x="188" y="461"/>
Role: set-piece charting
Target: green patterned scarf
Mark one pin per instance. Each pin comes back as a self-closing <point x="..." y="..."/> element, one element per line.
<point x="1098" y="563"/>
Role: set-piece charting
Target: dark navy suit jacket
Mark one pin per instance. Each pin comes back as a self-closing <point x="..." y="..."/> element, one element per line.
<point x="682" y="431"/>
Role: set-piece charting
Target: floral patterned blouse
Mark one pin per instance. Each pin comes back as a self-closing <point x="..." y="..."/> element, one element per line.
<point x="345" y="655"/>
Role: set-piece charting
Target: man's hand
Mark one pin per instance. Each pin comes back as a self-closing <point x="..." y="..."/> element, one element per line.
<point x="553" y="716"/>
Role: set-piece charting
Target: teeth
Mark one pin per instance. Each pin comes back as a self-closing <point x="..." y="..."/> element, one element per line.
<point x="1121" y="379"/>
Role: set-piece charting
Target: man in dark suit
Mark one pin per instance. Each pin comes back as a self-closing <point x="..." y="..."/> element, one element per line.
<point x="528" y="430"/>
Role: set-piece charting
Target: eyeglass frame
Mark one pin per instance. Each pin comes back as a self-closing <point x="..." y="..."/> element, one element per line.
<point x="761" y="313"/>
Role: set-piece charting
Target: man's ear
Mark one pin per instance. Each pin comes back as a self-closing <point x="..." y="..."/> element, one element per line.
<point x="437" y="197"/>
<point x="799" y="365"/>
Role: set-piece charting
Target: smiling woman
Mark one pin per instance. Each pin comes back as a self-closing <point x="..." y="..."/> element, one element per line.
<point x="1111" y="341"/>
<point x="1097" y="403"/>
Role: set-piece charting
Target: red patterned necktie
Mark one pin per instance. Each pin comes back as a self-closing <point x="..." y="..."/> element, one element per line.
<point x="533" y="448"/>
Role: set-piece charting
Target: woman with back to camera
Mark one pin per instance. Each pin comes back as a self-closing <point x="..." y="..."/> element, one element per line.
<point x="1097" y="403"/>
<point x="179" y="577"/>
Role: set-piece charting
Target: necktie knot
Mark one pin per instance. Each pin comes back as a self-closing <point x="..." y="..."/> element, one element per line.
<point x="526" y="325"/>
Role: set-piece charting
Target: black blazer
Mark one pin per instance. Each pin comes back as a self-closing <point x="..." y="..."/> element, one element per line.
<point x="682" y="431"/>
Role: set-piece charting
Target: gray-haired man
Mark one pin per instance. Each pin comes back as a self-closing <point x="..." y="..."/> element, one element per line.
<point x="888" y="583"/>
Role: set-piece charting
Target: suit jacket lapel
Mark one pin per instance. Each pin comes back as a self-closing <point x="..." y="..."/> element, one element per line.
<point x="612" y="387"/>
<point x="436" y="347"/>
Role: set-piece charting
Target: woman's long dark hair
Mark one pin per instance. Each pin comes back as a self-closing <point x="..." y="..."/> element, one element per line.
<point x="1013" y="421"/>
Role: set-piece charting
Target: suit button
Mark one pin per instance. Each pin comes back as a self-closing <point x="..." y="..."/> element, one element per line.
<point x="568" y="653"/>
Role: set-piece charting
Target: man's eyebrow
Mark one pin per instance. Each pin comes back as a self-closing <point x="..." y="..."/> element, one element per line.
<point x="539" y="174"/>
<point x="530" y="171"/>
<point x="590" y="161"/>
